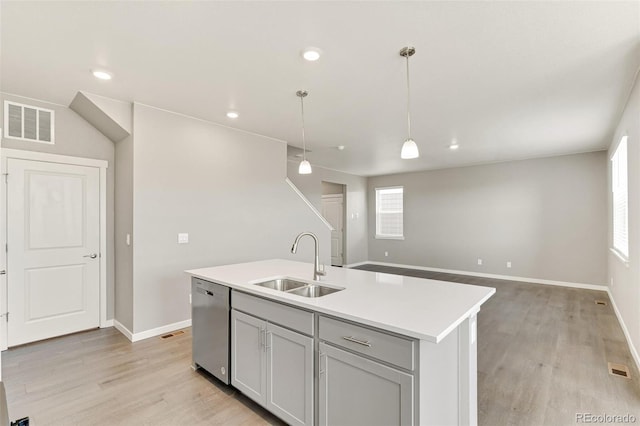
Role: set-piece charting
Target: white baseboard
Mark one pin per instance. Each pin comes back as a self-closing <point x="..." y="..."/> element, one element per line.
<point x="134" y="337"/>
<point x="122" y="329"/>
<point x="353" y="265"/>
<point x="499" y="277"/>
<point x="634" y="352"/>
<point x="107" y="323"/>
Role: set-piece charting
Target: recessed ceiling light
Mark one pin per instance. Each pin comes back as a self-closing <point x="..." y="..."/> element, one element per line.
<point x="232" y="114"/>
<point x="454" y="146"/>
<point x="311" y="54"/>
<point x="102" y="75"/>
<point x="340" y="147"/>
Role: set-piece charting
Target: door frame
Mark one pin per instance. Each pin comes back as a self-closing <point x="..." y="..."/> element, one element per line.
<point x="5" y="155"/>
<point x="343" y="196"/>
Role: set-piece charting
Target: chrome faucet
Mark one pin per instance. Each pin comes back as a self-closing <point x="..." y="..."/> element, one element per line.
<point x="317" y="272"/>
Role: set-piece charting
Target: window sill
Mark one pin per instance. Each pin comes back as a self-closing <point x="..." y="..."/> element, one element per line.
<point x="389" y="237"/>
<point x="620" y="257"/>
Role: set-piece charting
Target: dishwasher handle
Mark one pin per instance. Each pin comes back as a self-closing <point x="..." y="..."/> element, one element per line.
<point x="204" y="291"/>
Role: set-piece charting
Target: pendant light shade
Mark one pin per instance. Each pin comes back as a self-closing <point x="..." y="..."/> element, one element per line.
<point x="409" y="148"/>
<point x="305" y="166"/>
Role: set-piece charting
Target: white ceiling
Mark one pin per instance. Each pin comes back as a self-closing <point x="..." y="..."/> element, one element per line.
<point x="508" y="80"/>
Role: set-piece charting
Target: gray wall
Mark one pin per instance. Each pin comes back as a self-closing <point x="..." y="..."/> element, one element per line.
<point x="546" y="216"/>
<point x="226" y="188"/>
<point x="625" y="279"/>
<point x="329" y="188"/>
<point x="75" y="137"/>
<point x="356" y="204"/>
<point x="124" y="226"/>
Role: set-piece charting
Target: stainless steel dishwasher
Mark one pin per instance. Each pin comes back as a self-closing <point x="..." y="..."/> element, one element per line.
<point x="210" y="327"/>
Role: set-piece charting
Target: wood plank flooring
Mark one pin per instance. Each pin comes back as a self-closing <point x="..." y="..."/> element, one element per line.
<point x="98" y="377"/>
<point x="542" y="358"/>
<point x="543" y="353"/>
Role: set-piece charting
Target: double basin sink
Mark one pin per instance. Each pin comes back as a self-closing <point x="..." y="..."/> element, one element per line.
<point x="298" y="288"/>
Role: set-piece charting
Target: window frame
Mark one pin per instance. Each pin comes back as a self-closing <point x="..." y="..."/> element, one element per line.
<point x="378" y="235"/>
<point x="621" y="252"/>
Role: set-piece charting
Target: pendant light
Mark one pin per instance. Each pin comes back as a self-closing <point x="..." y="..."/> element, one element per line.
<point x="409" y="148"/>
<point x="305" y="166"/>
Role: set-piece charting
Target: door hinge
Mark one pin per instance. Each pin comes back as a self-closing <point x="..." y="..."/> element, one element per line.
<point x="3" y="272"/>
<point x="6" y="315"/>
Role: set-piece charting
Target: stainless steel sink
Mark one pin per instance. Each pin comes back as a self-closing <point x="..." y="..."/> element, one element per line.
<point x="299" y="288"/>
<point x="314" y="291"/>
<point x="282" y="284"/>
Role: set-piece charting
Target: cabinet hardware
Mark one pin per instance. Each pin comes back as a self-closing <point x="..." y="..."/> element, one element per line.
<point x="360" y="342"/>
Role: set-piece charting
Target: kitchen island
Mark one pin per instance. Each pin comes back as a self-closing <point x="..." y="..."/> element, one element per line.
<point x="386" y="349"/>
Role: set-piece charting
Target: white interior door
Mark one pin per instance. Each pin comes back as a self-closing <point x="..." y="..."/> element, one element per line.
<point x="53" y="238"/>
<point x="333" y="211"/>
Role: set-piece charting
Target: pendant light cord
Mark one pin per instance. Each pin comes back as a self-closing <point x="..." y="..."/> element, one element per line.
<point x="304" y="146"/>
<point x="408" y="99"/>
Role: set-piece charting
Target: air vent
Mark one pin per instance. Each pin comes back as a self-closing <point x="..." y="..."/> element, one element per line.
<point x="601" y="302"/>
<point x="619" y="370"/>
<point x="28" y="123"/>
<point x="175" y="333"/>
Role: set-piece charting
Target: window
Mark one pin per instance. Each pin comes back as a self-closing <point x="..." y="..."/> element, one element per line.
<point x="620" y="209"/>
<point x="389" y="213"/>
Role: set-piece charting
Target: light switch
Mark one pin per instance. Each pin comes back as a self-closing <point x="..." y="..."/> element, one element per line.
<point x="128" y="239"/>
<point x="183" y="238"/>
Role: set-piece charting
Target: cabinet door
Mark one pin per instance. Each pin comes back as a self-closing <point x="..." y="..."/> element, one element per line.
<point x="248" y="360"/>
<point x="289" y="375"/>
<point x="357" y="391"/>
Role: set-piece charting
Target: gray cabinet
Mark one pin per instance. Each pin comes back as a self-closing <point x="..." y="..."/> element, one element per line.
<point x="355" y="391"/>
<point x="271" y="364"/>
<point x="248" y="361"/>
<point x="289" y="375"/>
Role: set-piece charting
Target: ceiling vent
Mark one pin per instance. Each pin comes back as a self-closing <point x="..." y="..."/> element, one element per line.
<point x="28" y="123"/>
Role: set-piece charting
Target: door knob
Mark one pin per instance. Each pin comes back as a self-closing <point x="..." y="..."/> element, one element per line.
<point x="92" y="255"/>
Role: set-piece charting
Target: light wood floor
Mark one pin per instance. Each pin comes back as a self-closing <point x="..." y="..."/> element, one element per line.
<point x="100" y="378"/>
<point x="543" y="353"/>
<point x="542" y="358"/>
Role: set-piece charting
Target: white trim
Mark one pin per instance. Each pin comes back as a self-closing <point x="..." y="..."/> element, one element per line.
<point x="122" y="329"/>
<point x="53" y="158"/>
<point x="135" y="337"/>
<point x="632" y="349"/>
<point x="496" y="276"/>
<point x="308" y="203"/>
<point x="103" y="246"/>
<point x="389" y="237"/>
<point x="620" y="256"/>
<point x="107" y="323"/>
<point x="353" y="265"/>
<point x="5" y="154"/>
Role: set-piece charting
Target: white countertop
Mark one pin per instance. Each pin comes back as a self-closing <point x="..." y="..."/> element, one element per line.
<point x="414" y="307"/>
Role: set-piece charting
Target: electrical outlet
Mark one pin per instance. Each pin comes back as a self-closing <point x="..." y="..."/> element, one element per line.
<point x="189" y="298"/>
<point x="611" y="281"/>
<point x="386" y="253"/>
<point x="128" y="239"/>
<point x="479" y="261"/>
<point x="508" y="264"/>
<point x="183" y="238"/>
